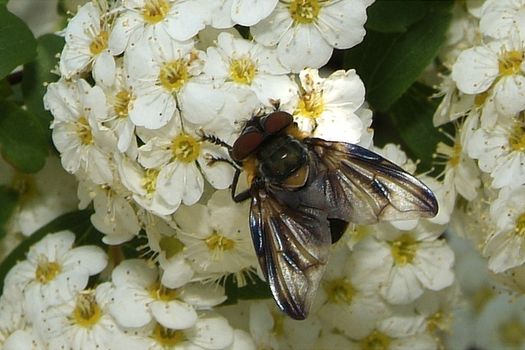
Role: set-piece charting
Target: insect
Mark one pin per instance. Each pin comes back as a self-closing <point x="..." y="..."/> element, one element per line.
<point x="303" y="193"/>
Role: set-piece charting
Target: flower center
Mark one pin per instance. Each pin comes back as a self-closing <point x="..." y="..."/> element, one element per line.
<point x="437" y="321"/>
<point x="168" y="337"/>
<point x="304" y="11"/>
<point x="26" y="187"/>
<point x="453" y="153"/>
<point x="520" y="225"/>
<point x="517" y="137"/>
<point x="480" y="99"/>
<point x="510" y="62"/>
<point x="185" y="148"/>
<point x="339" y="291"/>
<point x="404" y="249"/>
<point x="216" y="241"/>
<point x="99" y="43"/>
<point x="481" y="298"/>
<point x="121" y="103"/>
<point x="512" y="333"/>
<point x="87" y="311"/>
<point x="46" y="271"/>
<point x="171" y="246"/>
<point x="375" y="341"/>
<point x="173" y="75"/>
<point x="159" y="292"/>
<point x="84" y="131"/>
<point x="155" y="11"/>
<point x="242" y="70"/>
<point x="310" y="105"/>
<point x="149" y="181"/>
<point x="278" y="324"/>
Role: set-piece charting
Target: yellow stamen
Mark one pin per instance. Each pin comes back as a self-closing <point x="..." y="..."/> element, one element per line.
<point x="242" y="70"/>
<point x="404" y="249"/>
<point x="99" y="43"/>
<point x="155" y="11"/>
<point x="304" y="11"/>
<point x="173" y="75"/>
<point x="185" y="148"/>
<point x="87" y="312"/>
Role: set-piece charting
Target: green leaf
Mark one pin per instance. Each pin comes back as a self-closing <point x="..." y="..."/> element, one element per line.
<point x="5" y="89"/>
<point x="22" y="138"/>
<point x="8" y="201"/>
<point x="409" y="123"/>
<point x="77" y="221"/>
<point x="389" y="63"/>
<point x="17" y="43"/>
<point x="254" y="289"/>
<point x="38" y="72"/>
<point x="395" y="15"/>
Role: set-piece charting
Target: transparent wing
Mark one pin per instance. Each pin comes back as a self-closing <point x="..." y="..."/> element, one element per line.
<point x="362" y="187"/>
<point x="292" y="244"/>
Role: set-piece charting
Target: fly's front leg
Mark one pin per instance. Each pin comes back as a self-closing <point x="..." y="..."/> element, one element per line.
<point x="238" y="197"/>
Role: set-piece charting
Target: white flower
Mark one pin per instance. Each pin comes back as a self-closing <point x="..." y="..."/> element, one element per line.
<point x="502" y="324"/>
<point x="306" y="31"/>
<point x="271" y="329"/>
<point x="506" y="244"/>
<point x="163" y="242"/>
<point x="210" y="332"/>
<point x="378" y="338"/>
<point x="345" y="303"/>
<point x="499" y="18"/>
<point x="113" y="215"/>
<point x="143" y="183"/>
<point x="241" y="62"/>
<point x="180" y="154"/>
<point x="227" y="13"/>
<point x="461" y="174"/>
<point x="87" y="44"/>
<point x="83" y="144"/>
<point x="43" y="196"/>
<point x="500" y="151"/>
<point x="454" y="104"/>
<point x="143" y="20"/>
<point x="166" y="77"/>
<point x="139" y="298"/>
<point x="81" y="323"/>
<point x="219" y="243"/>
<point x="404" y="263"/>
<point x="54" y="272"/>
<point x="497" y="65"/>
<point x="120" y="99"/>
<point x="13" y="324"/>
<point x="326" y="107"/>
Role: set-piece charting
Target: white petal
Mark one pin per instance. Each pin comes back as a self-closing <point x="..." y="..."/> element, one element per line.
<point x="104" y="69"/>
<point x="153" y="111"/>
<point x="174" y="314"/>
<point x="302" y="46"/>
<point x="341" y="23"/>
<point x="250" y="12"/>
<point x="213" y="333"/>
<point x="475" y="70"/>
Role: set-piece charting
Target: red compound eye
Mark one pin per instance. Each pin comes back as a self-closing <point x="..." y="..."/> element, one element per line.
<point x="250" y="139"/>
<point x="276" y="121"/>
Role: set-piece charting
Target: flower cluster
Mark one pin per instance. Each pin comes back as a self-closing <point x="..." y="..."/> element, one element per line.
<point x="48" y="304"/>
<point x="483" y="169"/>
<point x="484" y="164"/>
<point x="150" y="94"/>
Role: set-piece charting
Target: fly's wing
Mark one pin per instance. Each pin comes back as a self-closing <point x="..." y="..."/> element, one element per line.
<point x="362" y="187"/>
<point x="292" y="244"/>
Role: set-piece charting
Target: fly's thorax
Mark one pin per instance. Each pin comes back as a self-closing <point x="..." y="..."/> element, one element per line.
<point x="283" y="158"/>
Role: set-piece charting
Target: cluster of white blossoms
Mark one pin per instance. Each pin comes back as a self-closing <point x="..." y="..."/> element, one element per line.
<point x="484" y="168"/>
<point x="148" y="92"/>
<point x="485" y="160"/>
